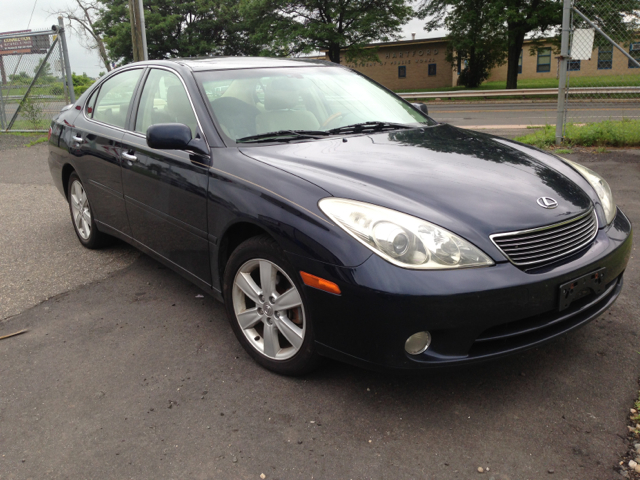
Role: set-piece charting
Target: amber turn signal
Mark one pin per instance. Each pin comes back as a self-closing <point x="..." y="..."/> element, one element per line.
<point x="320" y="283"/>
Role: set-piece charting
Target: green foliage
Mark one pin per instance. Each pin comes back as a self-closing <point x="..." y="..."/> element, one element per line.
<point x="188" y="28"/>
<point x="476" y="41"/>
<point x="80" y="89"/>
<point x="46" y="76"/>
<point x="290" y="27"/>
<point x="623" y="133"/>
<point x="81" y="80"/>
<point x="32" y="110"/>
<point x="56" y="90"/>
<point x="21" y="78"/>
<point x="513" y="20"/>
<point x="37" y="141"/>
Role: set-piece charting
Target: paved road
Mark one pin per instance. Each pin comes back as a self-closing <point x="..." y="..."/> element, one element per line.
<point x="133" y="376"/>
<point x="40" y="255"/>
<point x="532" y="113"/>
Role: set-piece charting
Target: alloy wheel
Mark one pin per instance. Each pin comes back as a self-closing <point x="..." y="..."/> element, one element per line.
<point x="80" y="210"/>
<point x="268" y="307"/>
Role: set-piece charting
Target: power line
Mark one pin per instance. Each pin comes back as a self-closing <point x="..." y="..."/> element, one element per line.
<point x="32" y="10"/>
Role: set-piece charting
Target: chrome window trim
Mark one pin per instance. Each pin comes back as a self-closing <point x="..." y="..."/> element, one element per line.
<point x="593" y="235"/>
<point x="137" y="67"/>
<point x="133" y="132"/>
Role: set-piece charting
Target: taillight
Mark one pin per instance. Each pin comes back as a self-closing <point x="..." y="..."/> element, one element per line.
<point x="49" y="136"/>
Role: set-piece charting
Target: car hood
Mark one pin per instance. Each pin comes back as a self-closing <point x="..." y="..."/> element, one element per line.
<point x="464" y="181"/>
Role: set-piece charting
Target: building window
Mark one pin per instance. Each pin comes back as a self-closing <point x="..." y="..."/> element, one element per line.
<point x="544" y="60"/>
<point x="402" y="72"/>
<point x="573" y="65"/>
<point x="634" y="50"/>
<point x="520" y="62"/>
<point x="605" y="57"/>
<point x="432" y="69"/>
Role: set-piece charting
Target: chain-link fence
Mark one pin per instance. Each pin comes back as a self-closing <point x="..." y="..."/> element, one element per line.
<point x="602" y="78"/>
<point x="33" y="79"/>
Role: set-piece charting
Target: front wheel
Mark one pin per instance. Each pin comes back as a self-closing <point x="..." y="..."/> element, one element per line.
<point x="266" y="308"/>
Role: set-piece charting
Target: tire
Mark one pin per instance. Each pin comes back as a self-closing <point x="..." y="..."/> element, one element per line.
<point x="271" y="324"/>
<point x="82" y="217"/>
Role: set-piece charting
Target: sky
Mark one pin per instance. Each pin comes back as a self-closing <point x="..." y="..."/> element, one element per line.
<point x="16" y="14"/>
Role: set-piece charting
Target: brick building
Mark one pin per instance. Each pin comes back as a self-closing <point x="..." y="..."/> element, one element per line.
<point x="421" y="64"/>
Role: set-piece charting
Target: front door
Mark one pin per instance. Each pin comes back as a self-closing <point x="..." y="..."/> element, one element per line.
<point x="166" y="190"/>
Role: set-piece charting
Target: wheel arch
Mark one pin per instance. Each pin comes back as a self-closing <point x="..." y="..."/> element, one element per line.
<point x="233" y="237"/>
<point x="67" y="170"/>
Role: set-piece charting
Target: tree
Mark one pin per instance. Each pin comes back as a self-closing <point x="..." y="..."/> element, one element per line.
<point x="186" y="28"/>
<point x="290" y="27"/>
<point x="516" y="20"/>
<point x="475" y="37"/>
<point x="46" y="76"/>
<point x="81" y="19"/>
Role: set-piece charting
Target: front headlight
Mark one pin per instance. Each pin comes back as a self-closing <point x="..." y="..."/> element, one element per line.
<point x="401" y="239"/>
<point x="601" y="187"/>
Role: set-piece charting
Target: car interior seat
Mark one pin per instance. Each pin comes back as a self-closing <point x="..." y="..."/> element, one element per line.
<point x="280" y="98"/>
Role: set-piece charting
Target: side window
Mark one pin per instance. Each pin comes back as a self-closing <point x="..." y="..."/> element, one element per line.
<point x="544" y="60"/>
<point x="164" y="100"/>
<point x="114" y="98"/>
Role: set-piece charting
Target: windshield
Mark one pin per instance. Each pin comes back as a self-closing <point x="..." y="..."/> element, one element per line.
<point x="253" y="102"/>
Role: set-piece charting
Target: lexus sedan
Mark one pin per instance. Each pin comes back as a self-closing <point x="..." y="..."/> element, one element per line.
<point x="335" y="219"/>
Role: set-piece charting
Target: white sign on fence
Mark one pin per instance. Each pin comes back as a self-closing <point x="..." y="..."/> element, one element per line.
<point x="582" y="44"/>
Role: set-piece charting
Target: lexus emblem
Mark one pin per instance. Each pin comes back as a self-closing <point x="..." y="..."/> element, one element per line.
<point x="547" y="202"/>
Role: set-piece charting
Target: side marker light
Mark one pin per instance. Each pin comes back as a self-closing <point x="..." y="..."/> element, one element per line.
<point x="320" y="283"/>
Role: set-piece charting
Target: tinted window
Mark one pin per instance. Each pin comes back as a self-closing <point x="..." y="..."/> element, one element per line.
<point x="114" y="98"/>
<point x="164" y="100"/>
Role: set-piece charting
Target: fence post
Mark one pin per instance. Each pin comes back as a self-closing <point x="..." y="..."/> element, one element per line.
<point x="2" y="119"/>
<point x="67" y="65"/>
<point x="562" y="74"/>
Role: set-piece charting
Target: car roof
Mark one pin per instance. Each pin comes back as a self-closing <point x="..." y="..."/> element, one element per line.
<point x="233" y="63"/>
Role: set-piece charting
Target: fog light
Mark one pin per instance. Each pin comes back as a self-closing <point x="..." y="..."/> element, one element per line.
<point x="417" y="343"/>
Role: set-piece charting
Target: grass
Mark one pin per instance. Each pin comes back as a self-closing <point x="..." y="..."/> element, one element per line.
<point x="621" y="133"/>
<point x="601" y="81"/>
<point x="37" y="141"/>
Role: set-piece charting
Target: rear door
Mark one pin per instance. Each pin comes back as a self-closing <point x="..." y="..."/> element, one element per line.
<point x="95" y="140"/>
<point x="166" y="190"/>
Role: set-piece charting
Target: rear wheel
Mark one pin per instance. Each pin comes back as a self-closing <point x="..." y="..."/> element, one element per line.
<point x="266" y="308"/>
<point x="82" y="217"/>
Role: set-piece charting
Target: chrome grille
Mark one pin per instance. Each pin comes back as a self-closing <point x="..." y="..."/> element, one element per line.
<point x="548" y="244"/>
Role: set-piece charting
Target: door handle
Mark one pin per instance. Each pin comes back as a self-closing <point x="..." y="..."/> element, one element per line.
<point x="77" y="139"/>
<point x="129" y="157"/>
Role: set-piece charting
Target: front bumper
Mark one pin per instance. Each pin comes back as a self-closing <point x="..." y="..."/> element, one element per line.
<point x="472" y="314"/>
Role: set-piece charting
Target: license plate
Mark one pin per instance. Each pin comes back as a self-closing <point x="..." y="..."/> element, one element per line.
<point x="581" y="287"/>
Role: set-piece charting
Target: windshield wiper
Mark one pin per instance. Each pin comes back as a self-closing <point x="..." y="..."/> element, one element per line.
<point x="282" y="135"/>
<point x="369" y="127"/>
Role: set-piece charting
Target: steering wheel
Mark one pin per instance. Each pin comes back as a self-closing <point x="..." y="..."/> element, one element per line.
<point x="333" y="117"/>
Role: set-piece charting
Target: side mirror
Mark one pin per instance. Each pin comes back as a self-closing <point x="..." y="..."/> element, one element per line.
<point x="422" y="107"/>
<point x="174" y="136"/>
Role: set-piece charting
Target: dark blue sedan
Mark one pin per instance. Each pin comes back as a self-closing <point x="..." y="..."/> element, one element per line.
<point x="335" y="219"/>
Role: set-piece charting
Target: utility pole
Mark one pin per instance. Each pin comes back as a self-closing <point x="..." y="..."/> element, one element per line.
<point x="562" y="69"/>
<point x="138" y="34"/>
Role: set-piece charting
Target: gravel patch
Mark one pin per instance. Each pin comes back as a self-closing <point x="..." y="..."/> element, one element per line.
<point x="9" y="141"/>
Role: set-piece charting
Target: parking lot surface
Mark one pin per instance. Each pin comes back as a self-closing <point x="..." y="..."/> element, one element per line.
<point x="126" y="373"/>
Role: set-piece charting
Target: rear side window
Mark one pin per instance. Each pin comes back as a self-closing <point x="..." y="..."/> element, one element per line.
<point x="114" y="98"/>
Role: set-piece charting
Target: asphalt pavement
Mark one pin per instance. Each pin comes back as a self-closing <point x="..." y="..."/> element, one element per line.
<point x="128" y="374"/>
